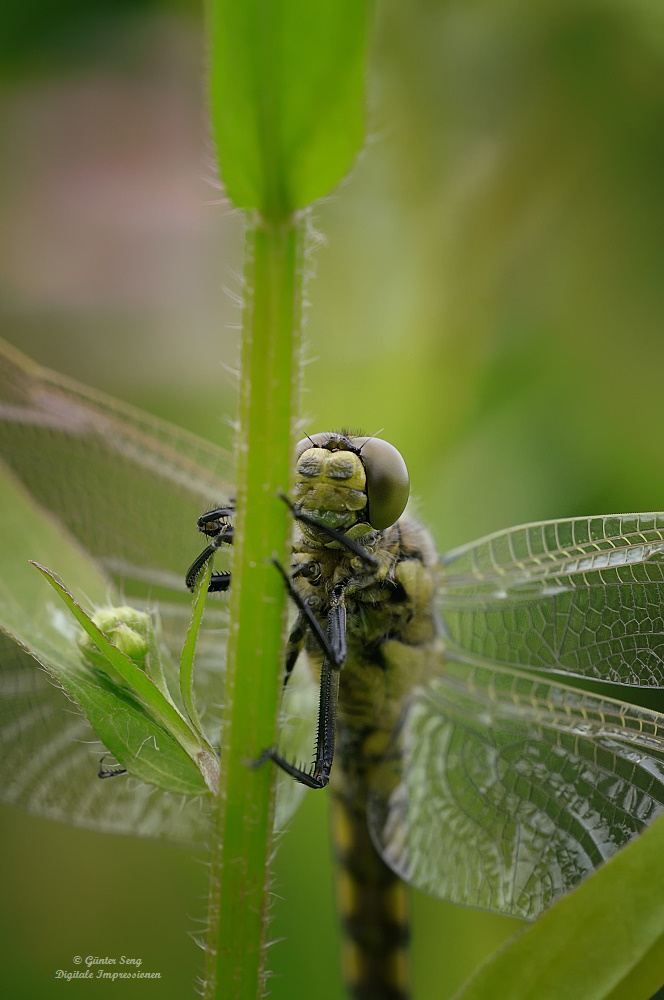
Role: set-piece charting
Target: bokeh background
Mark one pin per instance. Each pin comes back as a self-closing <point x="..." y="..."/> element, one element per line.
<point x="486" y="289"/>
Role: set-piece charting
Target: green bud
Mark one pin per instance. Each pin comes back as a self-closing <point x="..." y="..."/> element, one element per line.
<point x="127" y="628"/>
<point x="131" y="643"/>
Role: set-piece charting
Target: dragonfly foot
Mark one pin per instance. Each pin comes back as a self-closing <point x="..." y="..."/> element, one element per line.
<point x="315" y="780"/>
<point x="109" y="772"/>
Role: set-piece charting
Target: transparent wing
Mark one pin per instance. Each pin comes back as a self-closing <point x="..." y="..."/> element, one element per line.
<point x="129" y="487"/>
<point x="503" y="791"/>
<point x="49" y="756"/>
<point x="584" y="596"/>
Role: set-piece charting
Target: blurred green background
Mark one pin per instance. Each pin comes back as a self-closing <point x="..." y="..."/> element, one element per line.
<point x="487" y="291"/>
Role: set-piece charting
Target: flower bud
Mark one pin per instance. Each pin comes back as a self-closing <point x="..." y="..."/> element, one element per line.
<point x="127" y="628"/>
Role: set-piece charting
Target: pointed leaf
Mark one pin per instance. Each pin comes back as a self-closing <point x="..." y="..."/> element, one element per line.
<point x="287" y="97"/>
<point x="603" y="941"/>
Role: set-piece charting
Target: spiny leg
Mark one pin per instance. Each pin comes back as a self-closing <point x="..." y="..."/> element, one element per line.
<point x="219" y="581"/>
<point x="213" y="522"/>
<point x="320" y="636"/>
<point x="214" y="525"/>
<point x="319" y="775"/>
<point x="334" y="656"/>
<point x="333" y="645"/>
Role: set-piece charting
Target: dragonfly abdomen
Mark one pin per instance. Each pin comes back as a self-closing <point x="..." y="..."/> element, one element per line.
<point x="372" y="901"/>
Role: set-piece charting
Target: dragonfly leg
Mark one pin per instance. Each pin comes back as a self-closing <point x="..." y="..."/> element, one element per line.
<point x="311" y="780"/>
<point x="320" y="636"/>
<point x="319" y="773"/>
<point x="110" y="772"/>
<point x="214" y="525"/>
<point x="214" y="521"/>
<point x="335" y="642"/>
<point x="218" y="581"/>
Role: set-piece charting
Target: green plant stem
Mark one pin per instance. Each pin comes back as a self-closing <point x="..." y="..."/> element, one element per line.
<point x="269" y="392"/>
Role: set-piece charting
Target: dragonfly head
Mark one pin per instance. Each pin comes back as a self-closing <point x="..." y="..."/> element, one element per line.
<point x="343" y="481"/>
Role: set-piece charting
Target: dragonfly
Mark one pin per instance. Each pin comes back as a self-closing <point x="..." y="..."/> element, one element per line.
<point x="469" y="763"/>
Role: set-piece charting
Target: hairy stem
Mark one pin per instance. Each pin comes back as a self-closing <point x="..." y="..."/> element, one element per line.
<point x="270" y="380"/>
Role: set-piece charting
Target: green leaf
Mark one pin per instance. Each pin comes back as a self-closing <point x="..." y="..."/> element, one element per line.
<point x="286" y="97"/>
<point x="604" y="941"/>
<point x="30" y="615"/>
<point x="139" y="686"/>
<point x="145" y="748"/>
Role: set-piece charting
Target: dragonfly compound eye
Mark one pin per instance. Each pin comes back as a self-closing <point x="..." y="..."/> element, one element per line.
<point x="387" y="482"/>
<point x="388" y="485"/>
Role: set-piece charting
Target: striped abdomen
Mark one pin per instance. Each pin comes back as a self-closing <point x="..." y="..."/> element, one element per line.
<point x="372" y="900"/>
